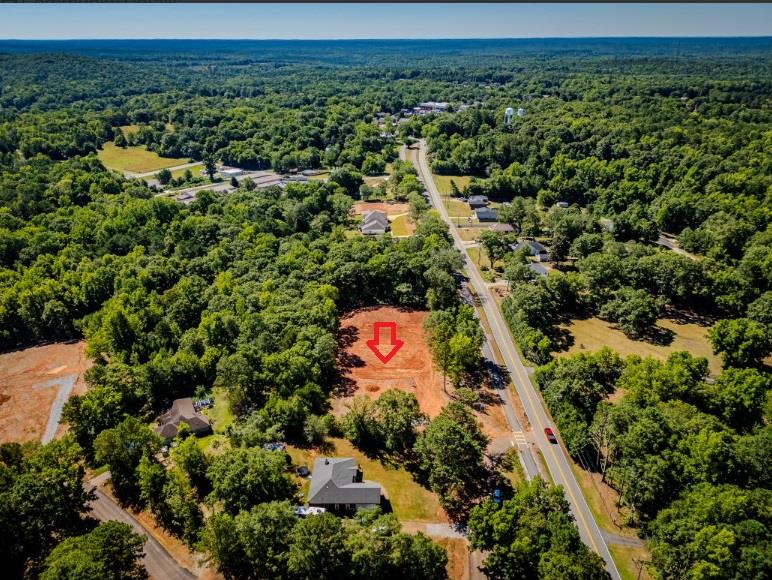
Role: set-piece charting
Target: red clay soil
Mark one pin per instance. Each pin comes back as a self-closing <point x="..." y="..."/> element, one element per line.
<point x="28" y="387"/>
<point x="361" y="207"/>
<point x="410" y="370"/>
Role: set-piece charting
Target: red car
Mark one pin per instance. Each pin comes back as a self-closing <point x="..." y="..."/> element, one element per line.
<point x="550" y="435"/>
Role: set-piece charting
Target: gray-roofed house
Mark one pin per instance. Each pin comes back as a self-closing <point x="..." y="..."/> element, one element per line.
<point x="374" y="222"/>
<point x="537" y="269"/>
<point x="485" y="214"/>
<point x="182" y="411"/>
<point x="476" y="201"/>
<point x="337" y="485"/>
<point x="534" y="248"/>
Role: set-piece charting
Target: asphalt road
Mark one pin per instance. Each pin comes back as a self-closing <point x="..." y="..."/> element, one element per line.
<point x="160" y="565"/>
<point x="556" y="459"/>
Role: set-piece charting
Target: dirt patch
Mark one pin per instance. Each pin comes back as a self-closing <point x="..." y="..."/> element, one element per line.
<point x="458" y="557"/>
<point x="410" y="370"/>
<point x="33" y="383"/>
<point x="362" y="207"/>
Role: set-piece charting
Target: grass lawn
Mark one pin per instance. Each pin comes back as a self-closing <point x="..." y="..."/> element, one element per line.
<point x="401" y="226"/>
<point x="628" y="561"/>
<point x="458" y="208"/>
<point x="129" y="129"/>
<point x="443" y="182"/>
<point x="194" y="170"/>
<point x="220" y="417"/>
<point x="470" y="234"/>
<point x="409" y="501"/>
<point x="601" y="499"/>
<point x="593" y="334"/>
<point x="320" y="176"/>
<point x="135" y="159"/>
<point x="374" y="180"/>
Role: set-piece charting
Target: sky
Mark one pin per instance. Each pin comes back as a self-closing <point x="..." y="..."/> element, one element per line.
<point x="329" y="21"/>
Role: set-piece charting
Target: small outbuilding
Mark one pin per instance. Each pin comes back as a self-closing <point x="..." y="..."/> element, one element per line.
<point x="537" y="269"/>
<point x="374" y="222"/>
<point x="337" y="485"/>
<point x="501" y="228"/>
<point x="485" y="214"/>
<point x="182" y="411"/>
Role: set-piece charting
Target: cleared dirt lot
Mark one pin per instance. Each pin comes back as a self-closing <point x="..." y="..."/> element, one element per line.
<point x="410" y="370"/>
<point x="34" y="385"/>
<point x="362" y="207"/>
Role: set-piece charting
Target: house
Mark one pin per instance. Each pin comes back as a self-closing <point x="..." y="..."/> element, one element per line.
<point x="374" y="222"/>
<point x="501" y="228"/>
<point x="186" y="197"/>
<point x="431" y="107"/>
<point x="534" y="248"/>
<point x="537" y="269"/>
<point x="485" y="214"/>
<point x="182" y="411"/>
<point x="476" y="201"/>
<point x="337" y="485"/>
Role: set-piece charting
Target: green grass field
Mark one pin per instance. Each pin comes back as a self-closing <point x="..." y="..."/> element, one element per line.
<point x="443" y="182"/>
<point x="401" y="226"/>
<point x="129" y="129"/>
<point x="135" y="159"/>
<point x="220" y="417"/>
<point x="409" y="501"/>
<point x="628" y="560"/>
<point x="593" y="334"/>
<point x="458" y="208"/>
<point x="177" y="173"/>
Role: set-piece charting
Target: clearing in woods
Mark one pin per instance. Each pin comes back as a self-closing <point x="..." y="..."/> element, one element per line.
<point x="135" y="159"/>
<point x="34" y="385"/>
<point x="411" y="369"/>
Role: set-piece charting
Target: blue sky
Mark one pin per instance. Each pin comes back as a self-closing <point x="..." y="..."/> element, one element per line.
<point x="264" y="21"/>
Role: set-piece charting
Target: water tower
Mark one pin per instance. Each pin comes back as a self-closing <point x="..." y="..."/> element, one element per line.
<point x="509" y="111"/>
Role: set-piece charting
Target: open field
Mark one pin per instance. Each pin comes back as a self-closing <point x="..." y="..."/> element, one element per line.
<point x="401" y="226"/>
<point x="457" y="208"/>
<point x="470" y="234"/>
<point x="593" y="334"/>
<point x="135" y="159"/>
<point x="129" y="129"/>
<point x="194" y="169"/>
<point x="410" y="370"/>
<point x="362" y="207"/>
<point x="220" y="417"/>
<point x="34" y="385"/>
<point x="408" y="499"/>
<point x="443" y="182"/>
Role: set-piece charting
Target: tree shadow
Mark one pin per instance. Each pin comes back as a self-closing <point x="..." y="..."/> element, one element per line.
<point x="343" y="385"/>
<point x="658" y="335"/>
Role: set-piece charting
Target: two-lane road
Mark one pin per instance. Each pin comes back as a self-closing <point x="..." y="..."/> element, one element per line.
<point x="557" y="462"/>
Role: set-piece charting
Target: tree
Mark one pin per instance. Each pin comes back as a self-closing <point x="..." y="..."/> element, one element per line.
<point x="210" y="166"/>
<point x="122" y="448"/>
<point x="164" y="176"/>
<point x="192" y="460"/>
<point x="112" y="551"/>
<point x="532" y="535"/>
<point x="418" y="207"/>
<point x="740" y="342"/>
<point x="398" y="415"/>
<point x="242" y="478"/>
<point x="635" y="311"/>
<point x="450" y="452"/>
<point x="234" y="182"/>
<point x="317" y="548"/>
<point x="42" y="500"/>
<point x="495" y="244"/>
<point x="120" y="141"/>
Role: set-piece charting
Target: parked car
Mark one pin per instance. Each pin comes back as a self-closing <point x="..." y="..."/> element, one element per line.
<point x="550" y="435"/>
<point x="303" y="471"/>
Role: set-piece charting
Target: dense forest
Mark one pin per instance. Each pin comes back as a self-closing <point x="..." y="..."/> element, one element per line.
<point x="245" y="291"/>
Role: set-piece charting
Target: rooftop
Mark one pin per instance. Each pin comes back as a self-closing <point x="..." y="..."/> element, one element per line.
<point x="338" y="480"/>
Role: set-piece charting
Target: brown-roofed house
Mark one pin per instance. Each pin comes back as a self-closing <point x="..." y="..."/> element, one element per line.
<point x="182" y="411"/>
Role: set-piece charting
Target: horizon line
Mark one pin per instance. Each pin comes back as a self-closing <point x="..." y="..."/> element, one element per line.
<point x="689" y="37"/>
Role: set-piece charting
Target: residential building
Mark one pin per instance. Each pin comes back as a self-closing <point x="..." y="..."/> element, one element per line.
<point x="476" y="201"/>
<point x="485" y="214"/>
<point x="182" y="411"/>
<point x="374" y="222"/>
<point x="337" y="485"/>
<point x="538" y="269"/>
<point x="534" y="248"/>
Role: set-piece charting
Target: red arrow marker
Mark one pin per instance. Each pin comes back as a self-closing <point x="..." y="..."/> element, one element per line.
<point x="386" y="351"/>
